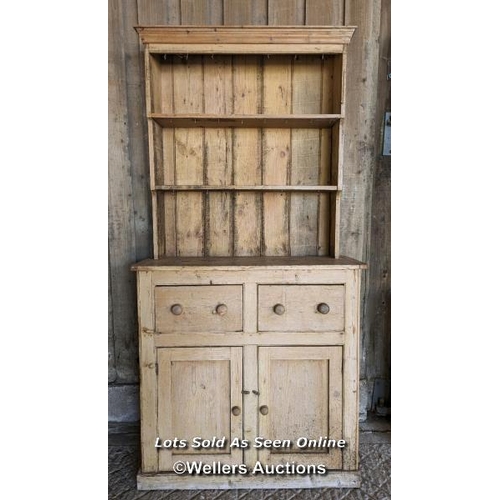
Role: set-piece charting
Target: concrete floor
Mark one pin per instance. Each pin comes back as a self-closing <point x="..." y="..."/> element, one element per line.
<point x="375" y="459"/>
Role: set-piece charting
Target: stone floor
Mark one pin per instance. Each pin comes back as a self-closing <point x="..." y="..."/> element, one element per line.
<point x="375" y="460"/>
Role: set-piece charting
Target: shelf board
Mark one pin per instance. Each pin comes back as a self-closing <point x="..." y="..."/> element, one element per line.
<point x="300" y="188"/>
<point x="246" y="121"/>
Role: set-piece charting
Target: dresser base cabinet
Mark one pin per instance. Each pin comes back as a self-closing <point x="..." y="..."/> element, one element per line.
<point x="237" y="353"/>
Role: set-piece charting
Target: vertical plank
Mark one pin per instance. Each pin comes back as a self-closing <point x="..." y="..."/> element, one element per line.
<point x="152" y="71"/>
<point x="335" y="224"/>
<point x="277" y="98"/>
<point x="306" y="98"/>
<point x="360" y="133"/>
<point x="159" y="12"/>
<point x="148" y="379"/>
<point x="122" y="236"/>
<point x="377" y="324"/>
<point x="202" y="12"/>
<point x="361" y="136"/>
<point x="287" y="12"/>
<point x="247" y="157"/>
<point x="188" y="92"/>
<point x="167" y="210"/>
<point x="111" y="340"/>
<point x="245" y="12"/>
<point x="325" y="12"/>
<point x="247" y="160"/>
<point x="325" y="161"/>
<point x="218" y="92"/>
<point x="151" y="12"/>
<point x="351" y="371"/>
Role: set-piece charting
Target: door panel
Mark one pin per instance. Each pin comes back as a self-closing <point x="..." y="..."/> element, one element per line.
<point x="197" y="389"/>
<point x="301" y="397"/>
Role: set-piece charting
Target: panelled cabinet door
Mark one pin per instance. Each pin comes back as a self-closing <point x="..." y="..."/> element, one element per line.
<point x="199" y="396"/>
<point x="300" y="397"/>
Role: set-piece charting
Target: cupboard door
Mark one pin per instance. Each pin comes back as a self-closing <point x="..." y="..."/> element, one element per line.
<point x="199" y="396"/>
<point x="300" y="397"/>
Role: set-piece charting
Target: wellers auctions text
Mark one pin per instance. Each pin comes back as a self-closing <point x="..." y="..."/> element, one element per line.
<point x="217" y="468"/>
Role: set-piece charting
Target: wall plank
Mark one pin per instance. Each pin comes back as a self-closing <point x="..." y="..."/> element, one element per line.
<point x="189" y="157"/>
<point x="286" y="12"/>
<point x="202" y="12"/>
<point x="121" y="205"/>
<point x="218" y="91"/>
<point x="245" y="12"/>
<point x="360" y="149"/>
<point x="377" y="314"/>
<point x="247" y="157"/>
<point x="324" y="12"/>
<point x="277" y="96"/>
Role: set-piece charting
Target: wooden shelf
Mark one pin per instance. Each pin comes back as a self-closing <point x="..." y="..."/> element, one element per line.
<point x="300" y="188"/>
<point x="246" y="121"/>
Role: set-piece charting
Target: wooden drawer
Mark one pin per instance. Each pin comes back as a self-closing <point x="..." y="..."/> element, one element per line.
<point x="301" y="308"/>
<point x="210" y="308"/>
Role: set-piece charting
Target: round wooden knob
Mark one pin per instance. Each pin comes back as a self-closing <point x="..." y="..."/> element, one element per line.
<point x="221" y="309"/>
<point x="176" y="309"/>
<point x="264" y="410"/>
<point x="235" y="410"/>
<point x="323" y="308"/>
<point x="279" y="309"/>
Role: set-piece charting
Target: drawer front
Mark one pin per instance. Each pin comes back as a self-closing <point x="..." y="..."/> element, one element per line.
<point x="301" y="308"/>
<point x="202" y="309"/>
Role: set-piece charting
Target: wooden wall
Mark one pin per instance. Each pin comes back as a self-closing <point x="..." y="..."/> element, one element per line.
<point x="365" y="209"/>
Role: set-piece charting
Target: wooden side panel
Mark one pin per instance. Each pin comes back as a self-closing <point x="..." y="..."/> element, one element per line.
<point x="147" y="354"/>
<point x="218" y="94"/>
<point x="197" y="390"/>
<point x="277" y="98"/>
<point x="189" y="156"/>
<point x="306" y="98"/>
<point x="351" y="371"/>
<point x="247" y="156"/>
<point x="325" y="162"/>
<point x="302" y="389"/>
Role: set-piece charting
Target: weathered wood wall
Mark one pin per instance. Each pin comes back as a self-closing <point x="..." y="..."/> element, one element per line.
<point x="365" y="199"/>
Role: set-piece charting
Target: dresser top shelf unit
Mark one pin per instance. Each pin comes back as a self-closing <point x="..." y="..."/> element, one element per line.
<point x="245" y="127"/>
